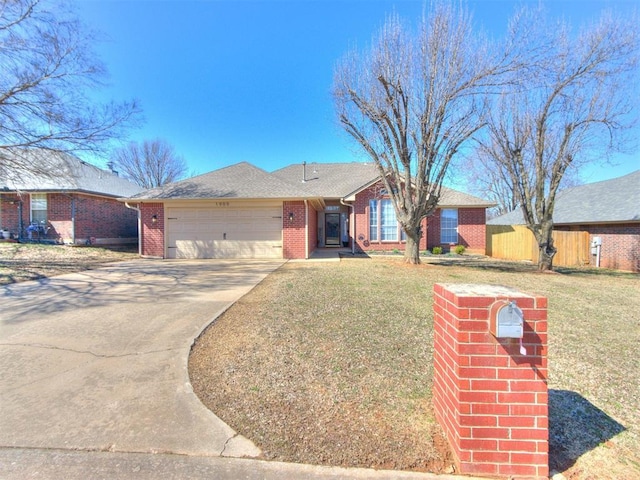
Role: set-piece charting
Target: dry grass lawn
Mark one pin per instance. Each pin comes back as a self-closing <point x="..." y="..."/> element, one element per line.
<point x="329" y="363"/>
<point x="31" y="261"/>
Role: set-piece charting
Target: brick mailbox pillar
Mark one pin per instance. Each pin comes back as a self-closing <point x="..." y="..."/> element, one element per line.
<point x="490" y="393"/>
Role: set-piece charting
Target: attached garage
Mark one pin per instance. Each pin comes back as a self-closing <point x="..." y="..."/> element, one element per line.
<point x="239" y="211"/>
<point x="223" y="229"/>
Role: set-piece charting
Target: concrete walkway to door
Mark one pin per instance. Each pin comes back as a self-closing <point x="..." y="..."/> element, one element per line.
<point x="98" y="360"/>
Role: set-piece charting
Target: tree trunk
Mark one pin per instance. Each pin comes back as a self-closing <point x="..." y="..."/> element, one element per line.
<point x="546" y="249"/>
<point x="412" y="246"/>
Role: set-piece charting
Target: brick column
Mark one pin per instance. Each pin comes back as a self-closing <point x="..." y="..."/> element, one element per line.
<point x="490" y="399"/>
<point x="293" y="231"/>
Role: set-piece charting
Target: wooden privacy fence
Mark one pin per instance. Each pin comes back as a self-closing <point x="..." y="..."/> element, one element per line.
<point x="516" y="242"/>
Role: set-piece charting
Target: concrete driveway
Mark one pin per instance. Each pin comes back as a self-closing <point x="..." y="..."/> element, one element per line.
<point x="98" y="360"/>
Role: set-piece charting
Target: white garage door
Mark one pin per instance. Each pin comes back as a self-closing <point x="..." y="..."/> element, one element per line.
<point x="228" y="232"/>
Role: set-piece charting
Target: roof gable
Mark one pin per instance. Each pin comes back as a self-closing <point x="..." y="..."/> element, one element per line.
<point x="455" y="198"/>
<point x="615" y="200"/>
<point x="70" y="174"/>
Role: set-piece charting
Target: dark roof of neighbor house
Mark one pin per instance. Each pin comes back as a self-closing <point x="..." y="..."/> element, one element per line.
<point x="608" y="201"/>
<point x="241" y="180"/>
<point x="341" y="180"/>
<point x="69" y="174"/>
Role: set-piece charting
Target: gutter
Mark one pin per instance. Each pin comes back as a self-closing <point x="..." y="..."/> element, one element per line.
<point x="126" y="204"/>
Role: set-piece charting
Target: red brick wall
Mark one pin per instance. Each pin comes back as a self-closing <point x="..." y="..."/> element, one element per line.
<point x="620" y="244"/>
<point x="471" y="230"/>
<point x="97" y="218"/>
<point x="9" y="211"/>
<point x="59" y="216"/>
<point x="104" y="219"/>
<point x="361" y="217"/>
<point x="491" y="400"/>
<point x="293" y="232"/>
<point x="313" y="229"/>
<point x="152" y="234"/>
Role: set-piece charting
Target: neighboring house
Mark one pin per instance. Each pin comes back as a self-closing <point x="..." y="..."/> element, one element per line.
<point x="608" y="211"/>
<point x="242" y="211"/>
<point x="63" y="199"/>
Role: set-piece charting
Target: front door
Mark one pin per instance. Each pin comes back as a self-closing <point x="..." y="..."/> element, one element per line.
<point x="332" y="222"/>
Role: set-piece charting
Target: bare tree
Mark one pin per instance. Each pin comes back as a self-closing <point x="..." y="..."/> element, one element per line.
<point x="413" y="101"/>
<point x="48" y="67"/>
<point x="491" y="180"/>
<point x="488" y="180"/>
<point x="572" y="107"/>
<point x="150" y="164"/>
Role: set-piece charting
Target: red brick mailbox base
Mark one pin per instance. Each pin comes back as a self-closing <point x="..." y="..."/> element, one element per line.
<point x="490" y="393"/>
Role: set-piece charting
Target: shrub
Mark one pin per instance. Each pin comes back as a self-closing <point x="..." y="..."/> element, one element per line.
<point x="459" y="249"/>
<point x="436" y="250"/>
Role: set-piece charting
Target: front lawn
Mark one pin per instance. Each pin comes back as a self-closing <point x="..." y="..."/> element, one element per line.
<point x="31" y="261"/>
<point x="329" y="363"/>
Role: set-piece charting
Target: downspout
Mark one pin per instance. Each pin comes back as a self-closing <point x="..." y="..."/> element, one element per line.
<point x="126" y="204"/>
<point x="306" y="229"/>
<point x="352" y="226"/>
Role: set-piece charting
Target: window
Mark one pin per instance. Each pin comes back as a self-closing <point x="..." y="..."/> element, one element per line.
<point x="38" y="208"/>
<point x="388" y="222"/>
<point x="383" y="225"/>
<point x="373" y="220"/>
<point x="449" y="225"/>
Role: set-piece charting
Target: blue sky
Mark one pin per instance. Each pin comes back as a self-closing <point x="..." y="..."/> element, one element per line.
<point x="230" y="81"/>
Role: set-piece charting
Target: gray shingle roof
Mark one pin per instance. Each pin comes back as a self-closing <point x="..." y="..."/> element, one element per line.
<point x="70" y="174"/>
<point x="339" y="180"/>
<point x="454" y="198"/>
<point x="615" y="200"/>
<point x="241" y="180"/>
<point x="322" y="180"/>
<point x="329" y="180"/>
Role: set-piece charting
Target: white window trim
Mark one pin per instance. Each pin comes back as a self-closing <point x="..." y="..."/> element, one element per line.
<point x="46" y="204"/>
<point x="400" y="235"/>
<point x="442" y="240"/>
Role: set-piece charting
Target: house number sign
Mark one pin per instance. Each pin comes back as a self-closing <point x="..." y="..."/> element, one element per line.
<point x="221" y="204"/>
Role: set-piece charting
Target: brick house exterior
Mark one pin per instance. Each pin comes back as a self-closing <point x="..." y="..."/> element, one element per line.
<point x="77" y="206"/>
<point x="608" y="211"/>
<point x="242" y="211"/>
<point x="471" y="227"/>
